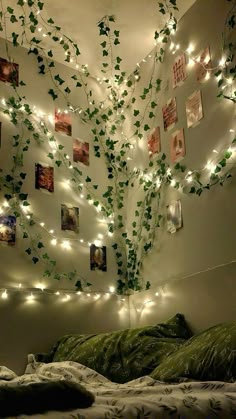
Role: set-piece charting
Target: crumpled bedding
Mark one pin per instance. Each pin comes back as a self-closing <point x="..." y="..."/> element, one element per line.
<point x="143" y="398"/>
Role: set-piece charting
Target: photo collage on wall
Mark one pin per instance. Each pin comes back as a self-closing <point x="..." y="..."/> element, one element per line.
<point x="44" y="180"/>
<point x="194" y="114"/>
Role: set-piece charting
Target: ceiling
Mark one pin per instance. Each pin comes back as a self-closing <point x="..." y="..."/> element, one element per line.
<point x="137" y="21"/>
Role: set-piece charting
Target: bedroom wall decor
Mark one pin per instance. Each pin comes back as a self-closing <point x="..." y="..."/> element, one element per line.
<point x="118" y="119"/>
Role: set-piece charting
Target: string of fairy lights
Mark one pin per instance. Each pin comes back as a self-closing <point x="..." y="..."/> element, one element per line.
<point x="32" y="294"/>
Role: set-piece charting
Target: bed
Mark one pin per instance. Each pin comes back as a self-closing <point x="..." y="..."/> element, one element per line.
<point x="153" y="372"/>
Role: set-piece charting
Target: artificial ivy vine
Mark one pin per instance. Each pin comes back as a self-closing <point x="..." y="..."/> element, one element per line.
<point x="107" y="120"/>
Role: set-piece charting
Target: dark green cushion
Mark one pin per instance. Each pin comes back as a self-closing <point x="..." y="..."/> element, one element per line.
<point x="126" y="354"/>
<point x="210" y="355"/>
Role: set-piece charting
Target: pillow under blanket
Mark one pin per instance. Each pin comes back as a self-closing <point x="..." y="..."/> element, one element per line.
<point x="123" y="355"/>
<point x="42" y="397"/>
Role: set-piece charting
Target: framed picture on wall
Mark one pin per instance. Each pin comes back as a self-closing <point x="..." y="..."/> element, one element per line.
<point x="194" y="111"/>
<point x="98" y="258"/>
<point x="203" y="64"/>
<point x="81" y="152"/>
<point x="9" y="72"/>
<point x="8" y="229"/>
<point x="154" y="141"/>
<point x="177" y="146"/>
<point x="174" y="216"/>
<point x="179" y="73"/>
<point x="63" y="122"/>
<point x="44" y="177"/>
<point x="69" y="218"/>
<point x="169" y="112"/>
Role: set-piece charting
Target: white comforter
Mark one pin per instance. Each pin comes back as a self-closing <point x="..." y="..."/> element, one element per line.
<point x="143" y="398"/>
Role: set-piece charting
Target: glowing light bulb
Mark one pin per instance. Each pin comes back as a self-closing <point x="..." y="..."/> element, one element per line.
<point x="112" y="289"/>
<point x="30" y="298"/>
<point x="66" y="244"/>
<point x="222" y="62"/>
<point x="173" y="182"/>
<point x="190" y="49"/>
<point x="54" y="242"/>
<point x="40" y="286"/>
<point x="4" y="295"/>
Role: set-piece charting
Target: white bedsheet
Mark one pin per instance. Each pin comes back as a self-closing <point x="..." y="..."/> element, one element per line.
<point x="143" y="398"/>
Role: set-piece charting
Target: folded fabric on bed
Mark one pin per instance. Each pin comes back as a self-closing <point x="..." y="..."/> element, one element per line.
<point x="210" y="355"/>
<point x="123" y="355"/>
<point x="36" y="398"/>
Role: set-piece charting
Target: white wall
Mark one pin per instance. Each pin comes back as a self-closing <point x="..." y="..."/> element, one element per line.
<point x="33" y="327"/>
<point x="207" y="238"/>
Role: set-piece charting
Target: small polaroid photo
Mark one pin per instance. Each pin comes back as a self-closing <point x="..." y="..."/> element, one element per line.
<point x="63" y="122"/>
<point x="8" y="230"/>
<point x="154" y="142"/>
<point x="81" y="152"/>
<point x="174" y="216"/>
<point x="98" y="258"/>
<point x="9" y="72"/>
<point x="69" y="218"/>
<point x="44" y="177"/>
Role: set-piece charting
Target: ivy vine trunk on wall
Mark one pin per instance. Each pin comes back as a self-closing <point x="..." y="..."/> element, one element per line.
<point x="118" y="121"/>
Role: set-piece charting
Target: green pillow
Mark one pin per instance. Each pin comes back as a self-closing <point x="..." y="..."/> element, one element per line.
<point x="126" y="354"/>
<point x="210" y="355"/>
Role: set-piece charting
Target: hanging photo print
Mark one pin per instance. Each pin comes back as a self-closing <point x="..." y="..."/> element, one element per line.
<point x="8" y="229"/>
<point x="194" y="110"/>
<point x="9" y="72"/>
<point x="177" y="146"/>
<point x="81" y="152"/>
<point x="203" y="64"/>
<point x="179" y="71"/>
<point x="69" y="218"/>
<point x="169" y="112"/>
<point x="154" y="141"/>
<point x="98" y="258"/>
<point x="63" y="122"/>
<point x="174" y="216"/>
<point x="44" y="177"/>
